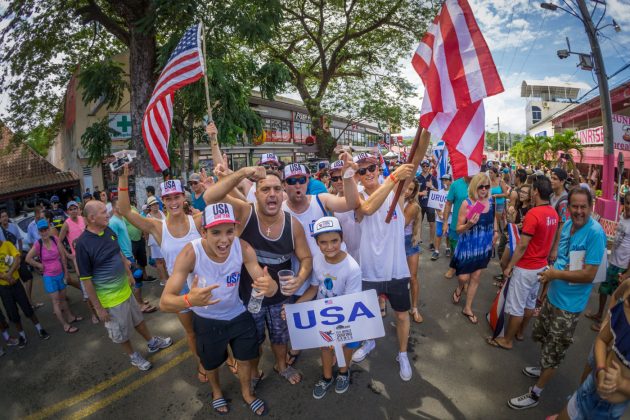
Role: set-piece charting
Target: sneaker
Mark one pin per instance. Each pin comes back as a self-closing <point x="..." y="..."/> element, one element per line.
<point x="21" y="342"/>
<point x="364" y="350"/>
<point x="435" y="255"/>
<point x="321" y="387"/>
<point x="162" y="284"/>
<point x="159" y="343"/>
<point x="140" y="362"/>
<point x="527" y="400"/>
<point x="43" y="334"/>
<point x="12" y="342"/>
<point x="531" y="371"/>
<point x="342" y="383"/>
<point x="431" y="247"/>
<point x="405" y="367"/>
<point x="448" y="252"/>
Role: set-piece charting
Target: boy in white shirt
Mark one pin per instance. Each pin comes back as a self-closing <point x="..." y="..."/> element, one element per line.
<point x="335" y="273"/>
<point x="440" y="225"/>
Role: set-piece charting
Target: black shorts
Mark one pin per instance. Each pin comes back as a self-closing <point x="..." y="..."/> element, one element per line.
<point x="430" y="212"/>
<point x="12" y="296"/>
<point x="213" y="337"/>
<point x="24" y="270"/>
<point x="396" y="291"/>
<point x="139" y="251"/>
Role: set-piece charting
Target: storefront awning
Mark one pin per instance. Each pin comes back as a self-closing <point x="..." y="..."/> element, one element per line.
<point x="595" y="156"/>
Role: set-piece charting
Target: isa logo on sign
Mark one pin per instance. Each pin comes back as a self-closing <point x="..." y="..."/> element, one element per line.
<point x="352" y="317"/>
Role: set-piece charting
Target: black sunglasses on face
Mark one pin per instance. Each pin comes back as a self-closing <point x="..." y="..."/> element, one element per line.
<point x="483" y="187"/>
<point x="336" y="178"/>
<point x="370" y="168"/>
<point x="272" y="167"/>
<point x="193" y="183"/>
<point x="298" y="180"/>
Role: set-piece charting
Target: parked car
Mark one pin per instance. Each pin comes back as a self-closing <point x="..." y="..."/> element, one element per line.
<point x="22" y="221"/>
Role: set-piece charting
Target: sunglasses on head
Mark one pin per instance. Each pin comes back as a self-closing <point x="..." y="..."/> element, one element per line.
<point x="483" y="187"/>
<point x="336" y="178"/>
<point x="297" y="180"/>
<point x="370" y="168"/>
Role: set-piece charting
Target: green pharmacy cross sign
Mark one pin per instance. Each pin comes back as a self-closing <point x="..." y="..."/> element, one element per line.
<point x="120" y="122"/>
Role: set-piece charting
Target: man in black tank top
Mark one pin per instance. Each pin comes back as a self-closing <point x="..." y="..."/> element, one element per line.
<point x="276" y="237"/>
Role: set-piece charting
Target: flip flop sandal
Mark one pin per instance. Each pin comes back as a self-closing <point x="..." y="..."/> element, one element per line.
<point x="494" y="343"/>
<point x="220" y="403"/>
<point x="415" y="315"/>
<point x="288" y="373"/>
<point x="593" y="317"/>
<point x="456" y="296"/>
<point x="292" y="358"/>
<point x="596" y="326"/>
<point x="233" y="368"/>
<point x="472" y="318"/>
<point x="256" y="405"/>
<point x="519" y="337"/>
<point x="202" y="377"/>
<point x="149" y="309"/>
<point x="70" y="329"/>
<point x="254" y="382"/>
<point x="76" y="319"/>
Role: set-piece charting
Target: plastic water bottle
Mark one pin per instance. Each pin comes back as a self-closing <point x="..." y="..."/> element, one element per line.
<point x="255" y="301"/>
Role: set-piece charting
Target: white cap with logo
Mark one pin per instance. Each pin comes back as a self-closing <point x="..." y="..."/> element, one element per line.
<point x="172" y="186"/>
<point x="325" y="225"/>
<point x="268" y="157"/>
<point x="295" y="169"/>
<point x="337" y="165"/>
<point x="217" y="214"/>
<point x="363" y="156"/>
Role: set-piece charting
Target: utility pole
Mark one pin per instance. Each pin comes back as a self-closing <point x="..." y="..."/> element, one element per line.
<point x="605" y="206"/>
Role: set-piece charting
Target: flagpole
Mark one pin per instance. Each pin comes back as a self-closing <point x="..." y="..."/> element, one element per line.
<point x="419" y="146"/>
<point x="205" y="73"/>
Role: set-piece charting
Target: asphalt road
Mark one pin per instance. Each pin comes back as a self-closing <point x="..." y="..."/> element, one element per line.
<point x="456" y="374"/>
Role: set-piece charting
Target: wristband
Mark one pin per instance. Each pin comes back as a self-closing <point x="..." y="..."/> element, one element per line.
<point x="393" y="178"/>
<point x="349" y="173"/>
<point x="123" y="189"/>
<point x="187" y="301"/>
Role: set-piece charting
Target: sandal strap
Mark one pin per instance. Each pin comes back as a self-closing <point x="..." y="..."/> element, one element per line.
<point x="289" y="372"/>
<point x="219" y="403"/>
<point x="256" y="405"/>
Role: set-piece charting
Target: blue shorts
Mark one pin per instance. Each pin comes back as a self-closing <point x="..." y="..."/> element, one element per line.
<point x="438" y="229"/>
<point x="409" y="248"/>
<point x="54" y="284"/>
<point x="353" y="345"/>
<point x="585" y="403"/>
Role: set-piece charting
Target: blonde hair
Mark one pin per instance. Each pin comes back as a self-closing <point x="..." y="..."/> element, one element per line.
<point x="475" y="182"/>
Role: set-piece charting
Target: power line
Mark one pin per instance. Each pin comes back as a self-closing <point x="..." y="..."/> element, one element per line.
<point x="520" y="36"/>
<point x="507" y="41"/>
<point x="531" y="47"/>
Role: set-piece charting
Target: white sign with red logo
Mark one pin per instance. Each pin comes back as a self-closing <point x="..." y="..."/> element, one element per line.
<point x="336" y="321"/>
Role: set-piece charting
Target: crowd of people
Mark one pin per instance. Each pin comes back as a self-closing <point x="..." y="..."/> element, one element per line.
<point x="233" y="248"/>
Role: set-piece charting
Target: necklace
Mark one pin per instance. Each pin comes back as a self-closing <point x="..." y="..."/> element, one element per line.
<point x="269" y="227"/>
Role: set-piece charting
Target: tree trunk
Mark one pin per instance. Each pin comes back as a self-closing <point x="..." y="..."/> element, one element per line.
<point x="142" y="60"/>
<point x="324" y="140"/>
<point x="190" y="120"/>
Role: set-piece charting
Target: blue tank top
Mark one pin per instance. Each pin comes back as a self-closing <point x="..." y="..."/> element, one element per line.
<point x="497" y="190"/>
<point x="198" y="202"/>
<point x="621" y="333"/>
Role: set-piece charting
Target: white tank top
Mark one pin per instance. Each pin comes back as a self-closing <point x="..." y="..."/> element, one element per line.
<point x="382" y="248"/>
<point x="152" y="241"/>
<point x="250" y="194"/>
<point x="172" y="246"/>
<point x="409" y="229"/>
<point x="351" y="232"/>
<point x="227" y="274"/>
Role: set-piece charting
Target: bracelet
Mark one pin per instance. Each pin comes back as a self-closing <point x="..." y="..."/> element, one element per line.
<point x="123" y="189"/>
<point x="393" y="178"/>
<point x="187" y="301"/>
<point x="349" y="173"/>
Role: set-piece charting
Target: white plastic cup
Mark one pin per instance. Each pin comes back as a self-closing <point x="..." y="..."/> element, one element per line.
<point x="285" y="277"/>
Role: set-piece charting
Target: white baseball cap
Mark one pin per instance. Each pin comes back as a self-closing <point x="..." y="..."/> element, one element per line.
<point x="268" y="157"/>
<point x="337" y="166"/>
<point x="326" y="224"/>
<point x="295" y="169"/>
<point x="363" y="156"/>
<point x="172" y="186"/>
<point x="217" y="214"/>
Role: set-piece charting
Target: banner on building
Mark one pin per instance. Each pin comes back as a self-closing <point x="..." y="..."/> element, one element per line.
<point x="621" y="134"/>
<point x="333" y="322"/>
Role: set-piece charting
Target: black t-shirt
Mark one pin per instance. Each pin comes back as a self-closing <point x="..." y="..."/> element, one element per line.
<point x="424" y="182"/>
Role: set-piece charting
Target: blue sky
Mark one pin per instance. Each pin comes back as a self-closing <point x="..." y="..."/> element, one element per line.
<point x="524" y="38"/>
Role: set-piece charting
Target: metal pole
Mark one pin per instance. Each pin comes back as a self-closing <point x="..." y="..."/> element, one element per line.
<point x="604" y="206"/>
<point x="620" y="165"/>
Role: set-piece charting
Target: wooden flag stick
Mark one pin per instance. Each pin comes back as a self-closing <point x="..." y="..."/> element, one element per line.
<point x="205" y="73"/>
<point x="418" y="149"/>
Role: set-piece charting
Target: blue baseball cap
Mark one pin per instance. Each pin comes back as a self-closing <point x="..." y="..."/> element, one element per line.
<point x="54" y="199"/>
<point x="42" y="224"/>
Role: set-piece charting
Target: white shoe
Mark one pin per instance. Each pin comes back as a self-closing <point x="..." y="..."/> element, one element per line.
<point x="140" y="362"/>
<point x="364" y="350"/>
<point x="405" y="367"/>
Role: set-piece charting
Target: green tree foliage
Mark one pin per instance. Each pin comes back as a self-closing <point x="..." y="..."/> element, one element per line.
<point x="331" y="47"/>
<point x="97" y="141"/>
<point x="544" y="150"/>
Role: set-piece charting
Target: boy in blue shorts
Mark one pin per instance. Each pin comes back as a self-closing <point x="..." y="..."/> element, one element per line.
<point x="335" y="273"/>
<point x="439" y="226"/>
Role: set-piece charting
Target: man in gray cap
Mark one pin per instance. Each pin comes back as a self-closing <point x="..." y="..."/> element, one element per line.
<point x="197" y="188"/>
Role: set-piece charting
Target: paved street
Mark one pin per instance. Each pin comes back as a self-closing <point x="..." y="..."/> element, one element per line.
<point x="456" y="374"/>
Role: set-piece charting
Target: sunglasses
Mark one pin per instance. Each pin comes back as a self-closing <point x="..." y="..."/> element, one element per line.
<point x="483" y="187"/>
<point x="193" y="183"/>
<point x="272" y="167"/>
<point x="370" y="168"/>
<point x="299" y="180"/>
<point x="335" y="178"/>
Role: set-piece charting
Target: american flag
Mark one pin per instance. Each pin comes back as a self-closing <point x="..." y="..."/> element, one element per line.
<point x="458" y="71"/>
<point x="184" y="66"/>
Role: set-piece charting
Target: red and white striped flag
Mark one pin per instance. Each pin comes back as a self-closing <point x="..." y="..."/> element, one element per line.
<point x="458" y="71"/>
<point x="184" y="66"/>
